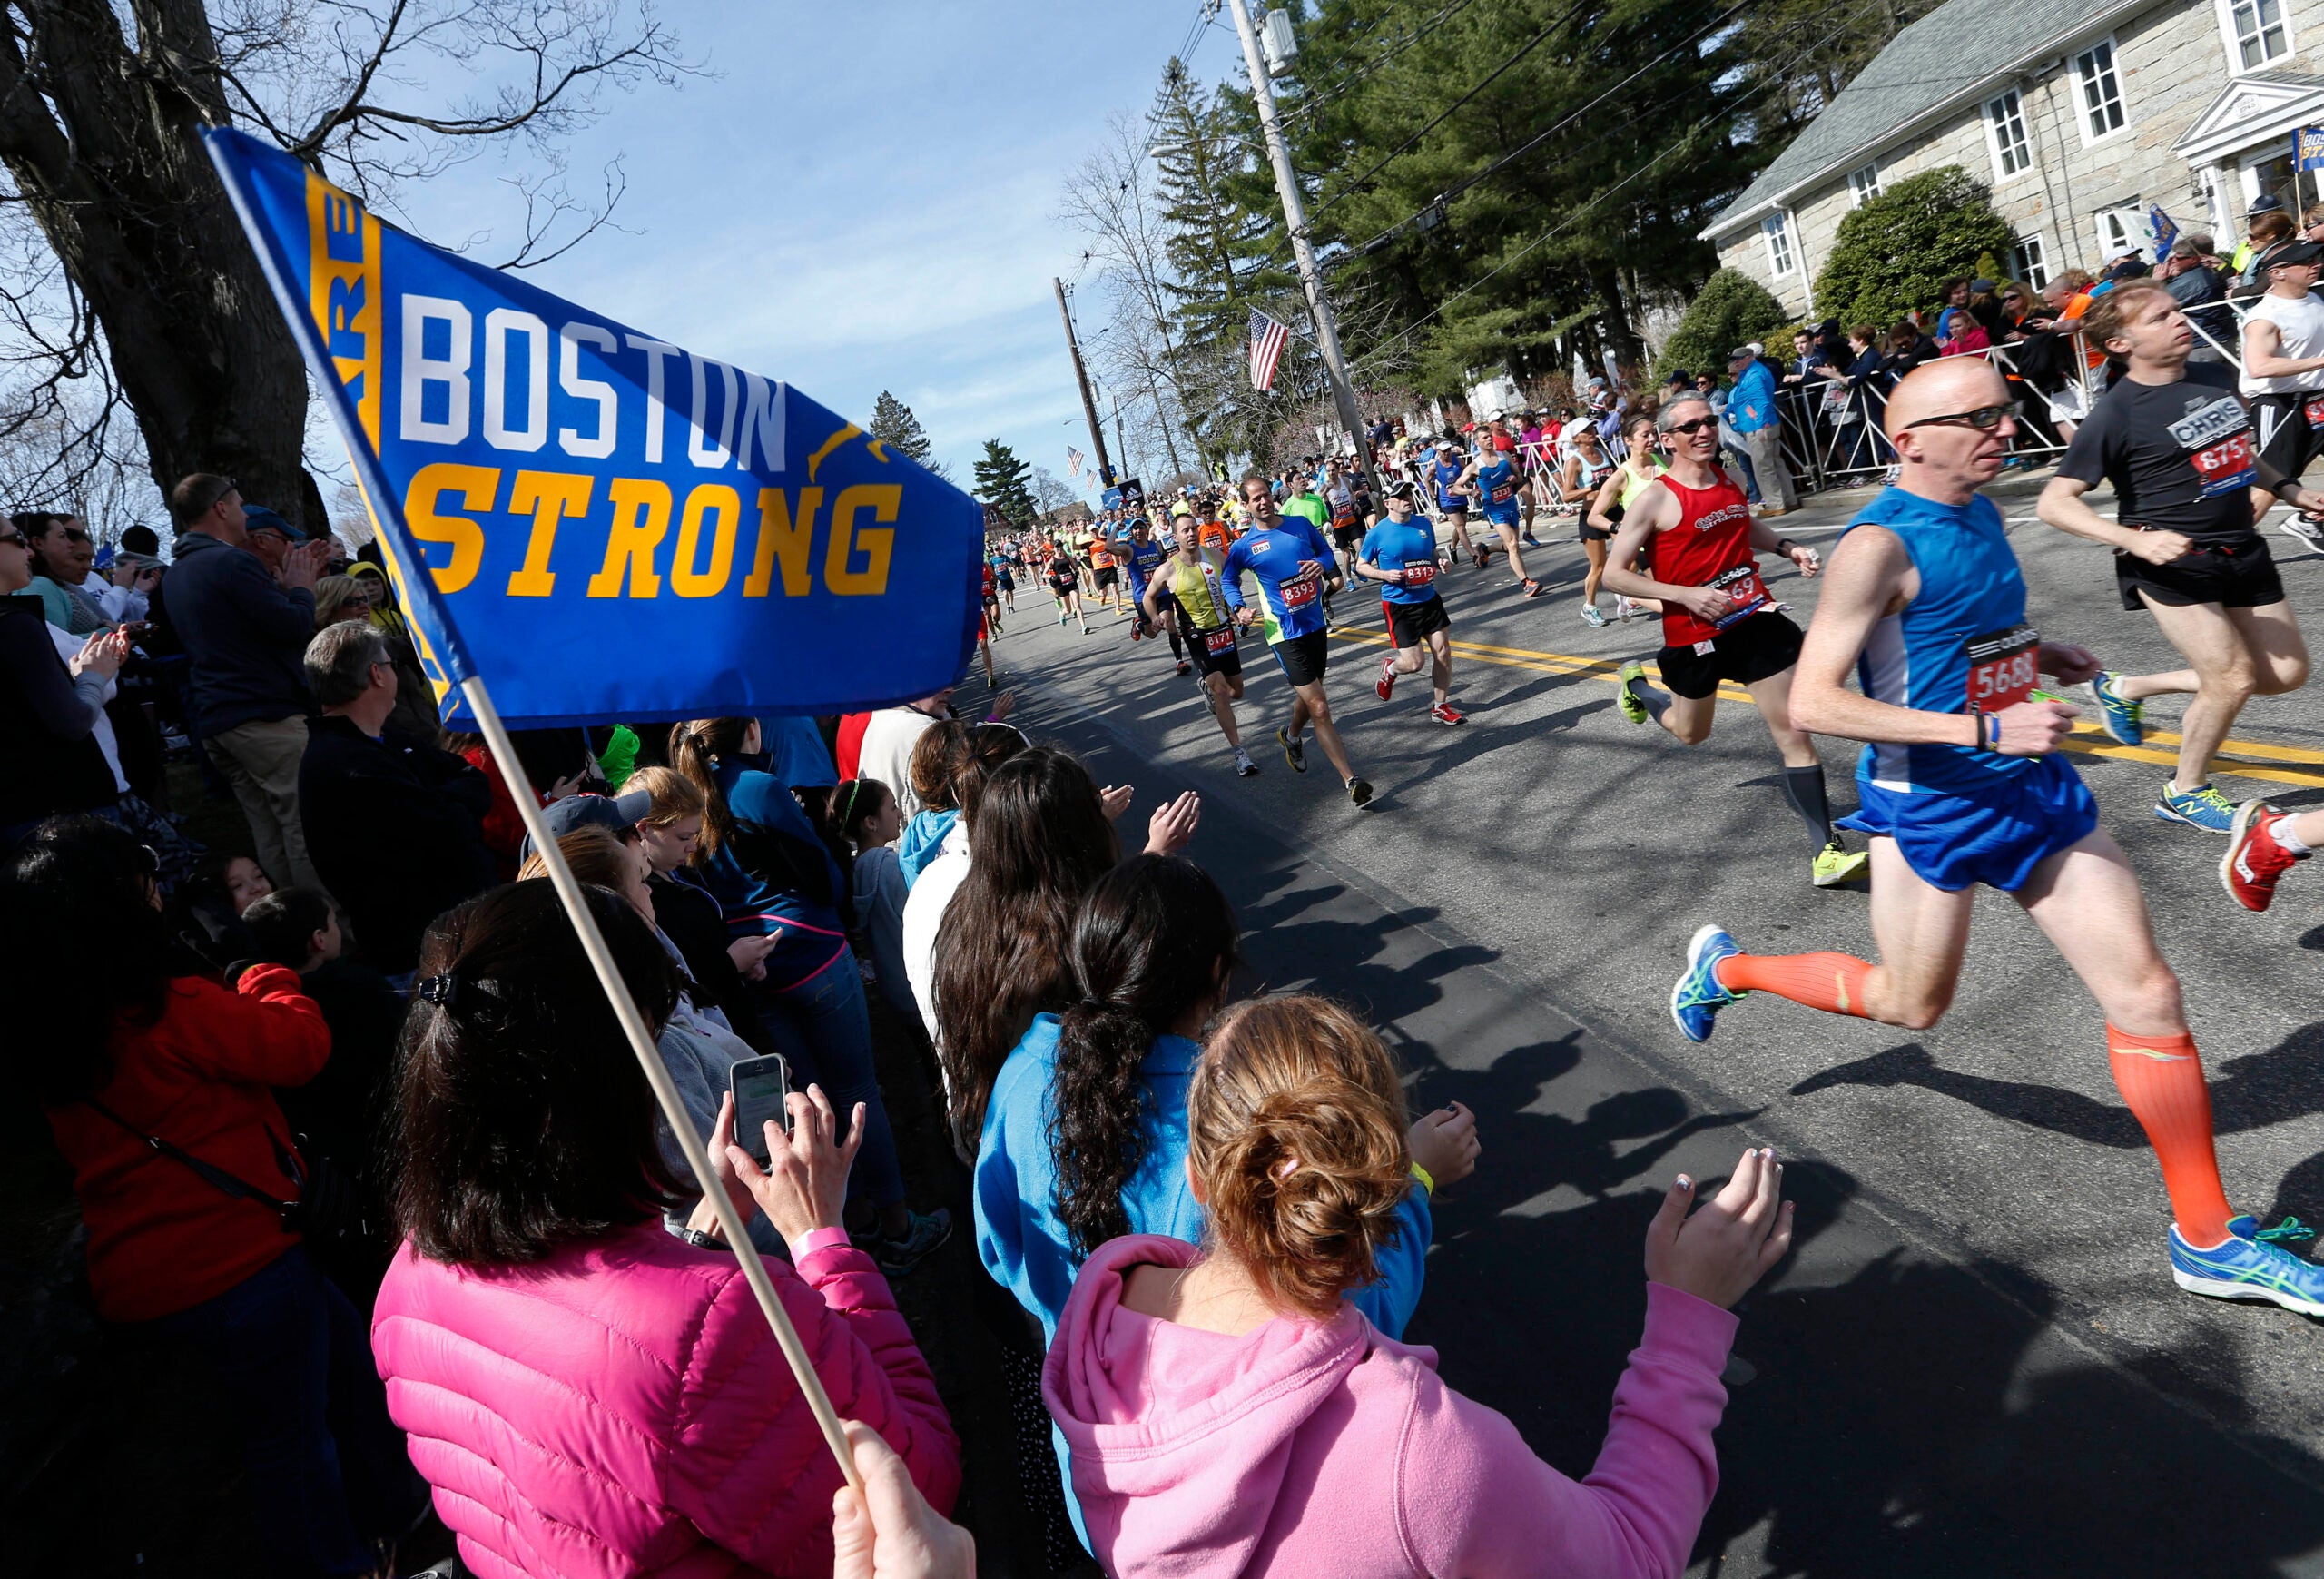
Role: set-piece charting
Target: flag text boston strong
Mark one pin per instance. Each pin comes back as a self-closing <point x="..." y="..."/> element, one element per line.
<point x="618" y="525"/>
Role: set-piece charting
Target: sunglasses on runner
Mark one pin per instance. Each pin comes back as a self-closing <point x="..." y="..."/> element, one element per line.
<point x="1984" y="418"/>
<point x="1695" y="426"/>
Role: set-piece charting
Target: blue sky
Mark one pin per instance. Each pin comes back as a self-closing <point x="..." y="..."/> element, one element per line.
<point x="862" y="199"/>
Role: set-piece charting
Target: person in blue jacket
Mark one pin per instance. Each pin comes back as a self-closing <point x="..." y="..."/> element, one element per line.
<point x="773" y="875"/>
<point x="1085" y="1136"/>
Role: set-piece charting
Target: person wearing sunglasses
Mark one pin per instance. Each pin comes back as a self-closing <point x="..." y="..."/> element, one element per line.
<point x="2181" y="454"/>
<point x="1963" y="786"/>
<point x="1701" y="547"/>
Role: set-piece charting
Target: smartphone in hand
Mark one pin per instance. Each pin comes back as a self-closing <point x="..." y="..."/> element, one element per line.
<point x="759" y="1087"/>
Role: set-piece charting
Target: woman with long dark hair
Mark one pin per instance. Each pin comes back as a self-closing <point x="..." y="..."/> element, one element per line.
<point x="156" y="1084"/>
<point x="771" y="874"/>
<point x="1085" y="1136"/>
<point x="1038" y="839"/>
<point x="584" y="1390"/>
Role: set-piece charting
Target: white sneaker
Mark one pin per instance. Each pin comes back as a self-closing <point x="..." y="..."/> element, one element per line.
<point x="2308" y="532"/>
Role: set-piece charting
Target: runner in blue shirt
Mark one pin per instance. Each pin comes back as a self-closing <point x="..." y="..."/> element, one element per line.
<point x="1963" y="786"/>
<point x="1141" y="555"/>
<point x="1399" y="553"/>
<point x="1444" y="475"/>
<point x="1292" y="564"/>
<point x="1491" y="480"/>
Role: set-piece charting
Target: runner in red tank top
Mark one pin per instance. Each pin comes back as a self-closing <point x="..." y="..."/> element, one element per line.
<point x="1693" y="532"/>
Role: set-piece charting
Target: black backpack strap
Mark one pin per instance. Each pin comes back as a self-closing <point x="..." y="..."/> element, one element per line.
<point x="216" y="1177"/>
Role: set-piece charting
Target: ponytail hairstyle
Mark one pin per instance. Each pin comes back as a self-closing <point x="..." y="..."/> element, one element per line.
<point x="936" y="759"/>
<point x="1296" y="1132"/>
<point x="1038" y="841"/>
<point x="522" y="1121"/>
<point x="1155" y="939"/>
<point x="854" y="804"/>
<point x="696" y="748"/>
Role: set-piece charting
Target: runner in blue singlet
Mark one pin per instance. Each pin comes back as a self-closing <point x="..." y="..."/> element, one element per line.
<point x="1962" y="787"/>
<point x="1492" y="481"/>
<point x="1444" y="474"/>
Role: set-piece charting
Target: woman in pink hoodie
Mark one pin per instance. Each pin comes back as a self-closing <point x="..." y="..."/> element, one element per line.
<point x="1228" y="1415"/>
<point x="589" y="1395"/>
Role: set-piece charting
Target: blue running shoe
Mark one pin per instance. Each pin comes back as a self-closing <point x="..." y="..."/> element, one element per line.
<point x="2201" y="807"/>
<point x="1697" y="997"/>
<point x="2117" y="714"/>
<point x="2251" y="1265"/>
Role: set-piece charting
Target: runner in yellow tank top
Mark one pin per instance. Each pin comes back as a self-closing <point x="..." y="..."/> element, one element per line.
<point x="1187" y="593"/>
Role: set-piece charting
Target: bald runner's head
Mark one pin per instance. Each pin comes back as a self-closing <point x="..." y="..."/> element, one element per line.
<point x="1935" y="389"/>
<point x="1932" y="419"/>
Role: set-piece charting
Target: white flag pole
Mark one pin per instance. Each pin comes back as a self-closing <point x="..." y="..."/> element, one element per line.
<point x="641" y="1042"/>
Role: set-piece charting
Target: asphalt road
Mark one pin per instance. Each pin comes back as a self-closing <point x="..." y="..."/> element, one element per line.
<point x="1976" y="1361"/>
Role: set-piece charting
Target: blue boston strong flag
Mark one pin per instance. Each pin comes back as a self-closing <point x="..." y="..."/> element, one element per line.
<point x="601" y="523"/>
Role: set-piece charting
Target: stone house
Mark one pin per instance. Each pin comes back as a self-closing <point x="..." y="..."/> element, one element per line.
<point x="2080" y="115"/>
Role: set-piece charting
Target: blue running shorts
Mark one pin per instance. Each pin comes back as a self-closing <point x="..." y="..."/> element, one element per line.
<point x="1502" y="514"/>
<point x="1997" y="836"/>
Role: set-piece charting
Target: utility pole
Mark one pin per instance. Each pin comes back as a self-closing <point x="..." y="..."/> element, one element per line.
<point x="1105" y="477"/>
<point x="1294" y="219"/>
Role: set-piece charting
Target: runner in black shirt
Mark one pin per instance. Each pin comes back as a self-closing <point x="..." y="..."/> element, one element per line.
<point x="2181" y="457"/>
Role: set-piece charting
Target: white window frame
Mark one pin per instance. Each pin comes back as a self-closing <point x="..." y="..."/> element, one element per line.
<point x="2002" y="151"/>
<point x="2111" y="70"/>
<point x="2230" y="31"/>
<point x="2029" y="256"/>
<point x="1782" y="244"/>
<point x="1863" y="182"/>
<point x="2131" y="218"/>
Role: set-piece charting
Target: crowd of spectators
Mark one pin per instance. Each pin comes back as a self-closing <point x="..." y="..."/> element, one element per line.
<point x="357" y="1135"/>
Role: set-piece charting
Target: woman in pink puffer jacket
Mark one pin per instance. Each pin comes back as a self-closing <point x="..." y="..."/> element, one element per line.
<point x="588" y="1394"/>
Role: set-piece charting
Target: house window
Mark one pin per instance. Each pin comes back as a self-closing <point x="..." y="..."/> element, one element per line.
<point x="1776" y="231"/>
<point x="2256" y="32"/>
<point x="2005" y="131"/>
<point x="2030" y="262"/>
<point x="2102" y="92"/>
<point x="2120" y="228"/>
<point x="1863" y="184"/>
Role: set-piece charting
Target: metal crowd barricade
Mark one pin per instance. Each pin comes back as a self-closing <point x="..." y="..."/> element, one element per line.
<point x="1832" y="439"/>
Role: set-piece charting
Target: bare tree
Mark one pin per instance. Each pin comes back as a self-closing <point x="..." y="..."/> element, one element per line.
<point x="121" y="259"/>
<point x="1110" y="199"/>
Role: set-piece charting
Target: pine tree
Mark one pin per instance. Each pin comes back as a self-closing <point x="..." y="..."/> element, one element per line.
<point x="1001" y="482"/>
<point x="894" y="425"/>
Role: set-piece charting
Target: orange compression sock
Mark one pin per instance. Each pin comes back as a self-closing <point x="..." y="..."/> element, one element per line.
<point x="2162" y="1079"/>
<point x="1832" y="982"/>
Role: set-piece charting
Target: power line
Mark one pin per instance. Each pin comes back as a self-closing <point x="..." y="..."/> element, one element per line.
<point x="1446" y="113"/>
<point x="1539" y="138"/>
<point x="1322" y="96"/>
<point x="1511" y="261"/>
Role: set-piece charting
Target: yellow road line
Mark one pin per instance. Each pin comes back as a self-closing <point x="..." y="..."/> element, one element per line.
<point x="2255" y="759"/>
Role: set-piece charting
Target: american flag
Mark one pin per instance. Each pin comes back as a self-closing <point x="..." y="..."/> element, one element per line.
<point x="1267" y="338"/>
<point x="1072" y="461"/>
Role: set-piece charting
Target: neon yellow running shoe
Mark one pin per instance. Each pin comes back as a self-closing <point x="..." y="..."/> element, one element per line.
<point x="1633" y="707"/>
<point x="1836" y="864"/>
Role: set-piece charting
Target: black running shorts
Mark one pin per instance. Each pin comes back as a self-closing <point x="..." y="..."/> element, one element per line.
<point x="1108" y="576"/>
<point x="1304" y="657"/>
<point x="1062" y="587"/>
<point x="1411" y="624"/>
<point x="1766" y="644"/>
<point x="2234" y="575"/>
<point x="2290" y="432"/>
<point x="1213" y="652"/>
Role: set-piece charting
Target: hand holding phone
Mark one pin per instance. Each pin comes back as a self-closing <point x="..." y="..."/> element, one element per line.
<point x="759" y="1087"/>
<point x="805" y="1183"/>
